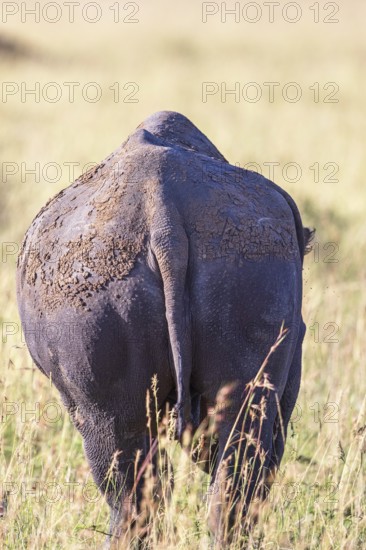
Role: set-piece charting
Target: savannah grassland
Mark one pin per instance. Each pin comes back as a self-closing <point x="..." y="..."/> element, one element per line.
<point x="319" y="498"/>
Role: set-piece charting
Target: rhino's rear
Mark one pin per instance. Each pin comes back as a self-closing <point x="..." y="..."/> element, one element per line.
<point x="165" y="261"/>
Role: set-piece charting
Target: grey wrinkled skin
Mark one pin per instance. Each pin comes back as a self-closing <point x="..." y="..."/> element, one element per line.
<point x="165" y="260"/>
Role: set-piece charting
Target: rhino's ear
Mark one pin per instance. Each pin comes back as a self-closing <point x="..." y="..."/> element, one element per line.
<point x="309" y="236"/>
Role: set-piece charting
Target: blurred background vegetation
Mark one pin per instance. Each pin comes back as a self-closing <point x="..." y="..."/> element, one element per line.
<point x="162" y="61"/>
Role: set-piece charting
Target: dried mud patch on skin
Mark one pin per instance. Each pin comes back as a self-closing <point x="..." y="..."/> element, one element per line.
<point x="241" y="223"/>
<point x="248" y="240"/>
<point x="85" y="266"/>
<point x="105" y="247"/>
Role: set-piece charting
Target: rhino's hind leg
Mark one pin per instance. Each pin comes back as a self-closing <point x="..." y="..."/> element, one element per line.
<point x="245" y="444"/>
<point x="287" y="404"/>
<point x="119" y="461"/>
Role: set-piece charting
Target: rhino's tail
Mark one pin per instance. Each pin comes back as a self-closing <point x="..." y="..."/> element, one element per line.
<point x="169" y="244"/>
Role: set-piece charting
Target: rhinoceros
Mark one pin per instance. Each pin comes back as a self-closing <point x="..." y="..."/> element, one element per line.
<point x="166" y="261"/>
